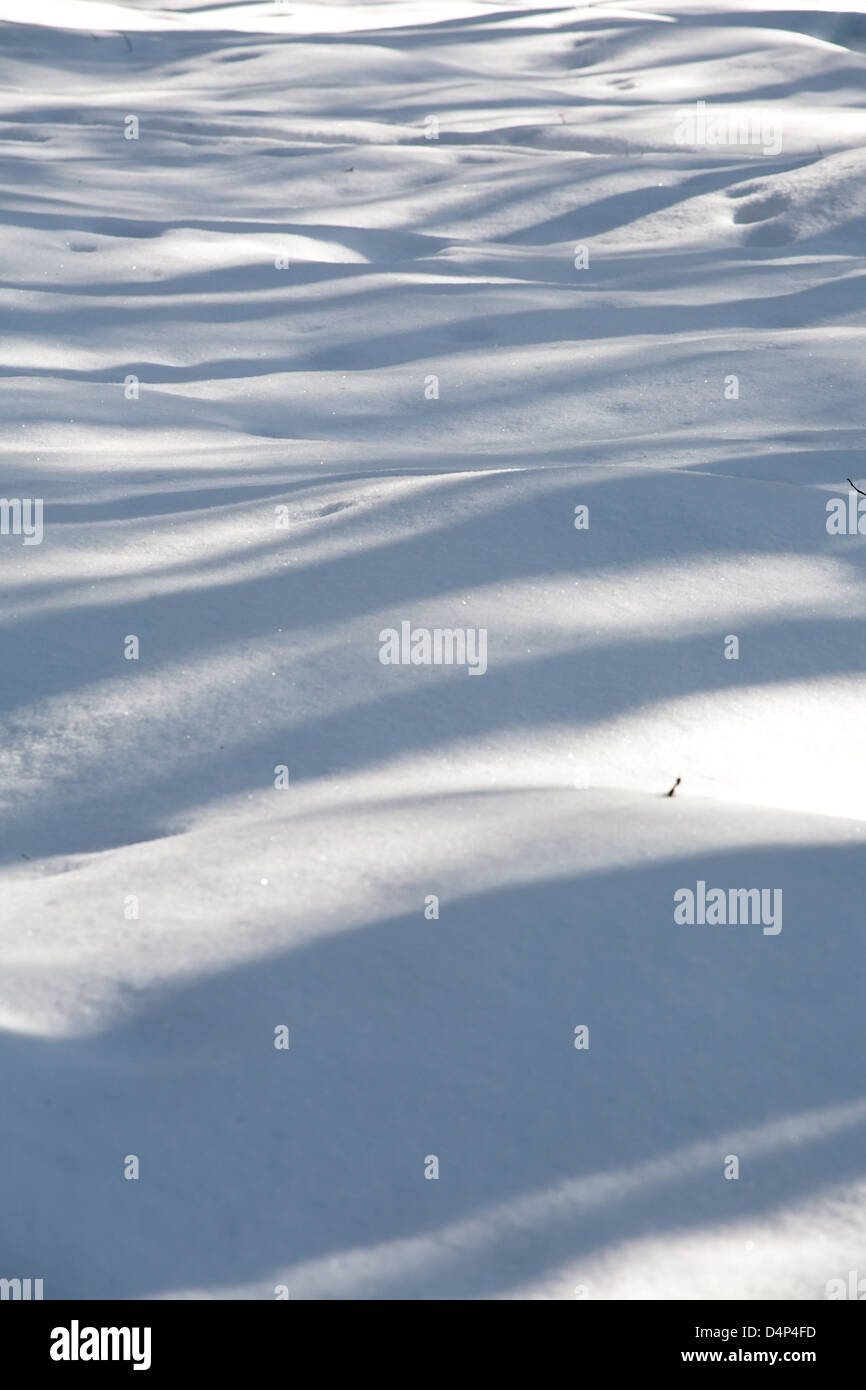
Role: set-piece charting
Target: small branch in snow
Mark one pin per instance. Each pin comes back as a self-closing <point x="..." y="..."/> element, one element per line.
<point x="674" y="787"/>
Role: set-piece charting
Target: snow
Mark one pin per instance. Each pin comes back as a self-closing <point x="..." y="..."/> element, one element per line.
<point x="530" y="801"/>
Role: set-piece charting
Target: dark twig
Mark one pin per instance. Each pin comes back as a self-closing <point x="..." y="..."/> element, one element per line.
<point x="674" y="787"/>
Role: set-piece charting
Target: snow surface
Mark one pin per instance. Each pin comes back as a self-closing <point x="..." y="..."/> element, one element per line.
<point x="530" y="800"/>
